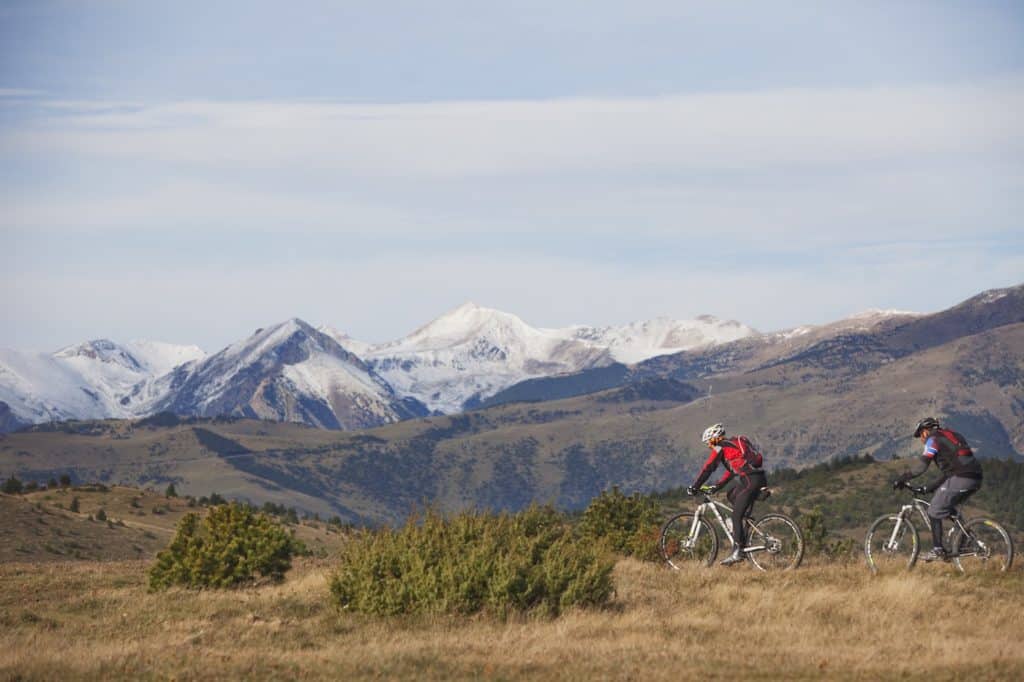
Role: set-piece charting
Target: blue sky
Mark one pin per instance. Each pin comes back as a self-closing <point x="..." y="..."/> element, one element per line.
<point x="191" y="171"/>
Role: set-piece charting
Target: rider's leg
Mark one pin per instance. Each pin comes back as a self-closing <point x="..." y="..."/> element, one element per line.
<point x="743" y="497"/>
<point x="947" y="498"/>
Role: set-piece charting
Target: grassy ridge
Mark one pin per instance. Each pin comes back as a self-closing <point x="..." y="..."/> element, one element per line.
<point x="98" y="621"/>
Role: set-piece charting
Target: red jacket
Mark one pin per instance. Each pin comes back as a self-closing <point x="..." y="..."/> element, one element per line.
<point x="738" y="461"/>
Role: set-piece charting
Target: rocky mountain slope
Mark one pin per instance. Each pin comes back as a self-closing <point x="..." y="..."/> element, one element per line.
<point x="289" y="372"/>
<point x="339" y="382"/>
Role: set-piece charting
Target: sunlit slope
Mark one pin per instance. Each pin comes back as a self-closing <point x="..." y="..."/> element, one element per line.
<point x="41" y="526"/>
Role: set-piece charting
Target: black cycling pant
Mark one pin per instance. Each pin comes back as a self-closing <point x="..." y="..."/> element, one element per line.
<point x="742" y="496"/>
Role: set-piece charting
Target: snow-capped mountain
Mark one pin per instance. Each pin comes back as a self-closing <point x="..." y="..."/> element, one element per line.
<point x="288" y="372"/>
<point x="360" y="348"/>
<point x="324" y="377"/>
<point x="85" y="381"/>
<point x="474" y="351"/>
<point x="641" y="341"/>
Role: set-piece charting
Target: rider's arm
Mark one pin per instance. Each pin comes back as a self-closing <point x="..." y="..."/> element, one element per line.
<point x="917" y="467"/>
<point x="708" y="467"/>
<point x="931" y="448"/>
<point x="724" y="479"/>
<point x="920" y="465"/>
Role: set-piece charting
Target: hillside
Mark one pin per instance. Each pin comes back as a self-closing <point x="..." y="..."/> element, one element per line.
<point x="41" y="526"/>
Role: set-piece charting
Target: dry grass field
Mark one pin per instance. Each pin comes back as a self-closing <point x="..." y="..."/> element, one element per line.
<point x="90" y="620"/>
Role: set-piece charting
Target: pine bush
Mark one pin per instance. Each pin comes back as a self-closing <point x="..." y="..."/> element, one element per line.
<point x="233" y="545"/>
<point x="473" y="562"/>
<point x="629" y="524"/>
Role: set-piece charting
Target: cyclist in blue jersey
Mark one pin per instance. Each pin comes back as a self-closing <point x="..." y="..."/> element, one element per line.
<point x="961" y="476"/>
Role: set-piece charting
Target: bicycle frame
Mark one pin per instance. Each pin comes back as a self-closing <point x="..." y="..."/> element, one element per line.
<point x="714" y="509"/>
<point x="921" y="506"/>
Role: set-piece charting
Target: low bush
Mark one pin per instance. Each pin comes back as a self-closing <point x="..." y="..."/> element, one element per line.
<point x="819" y="541"/>
<point x="231" y="546"/>
<point x="629" y="524"/>
<point x="473" y="562"/>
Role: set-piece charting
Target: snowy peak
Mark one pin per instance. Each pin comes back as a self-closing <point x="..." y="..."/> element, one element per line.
<point x="640" y="341"/>
<point x="463" y="325"/>
<point x="160" y="358"/>
<point x="360" y="348"/>
<point x="101" y="350"/>
<point x="89" y="380"/>
<point x="287" y="372"/>
<point x="472" y="352"/>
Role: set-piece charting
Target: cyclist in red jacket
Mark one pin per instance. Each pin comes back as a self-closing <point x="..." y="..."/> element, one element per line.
<point x="741" y="459"/>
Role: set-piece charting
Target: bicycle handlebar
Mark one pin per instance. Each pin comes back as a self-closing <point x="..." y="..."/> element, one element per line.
<point x="915" y="489"/>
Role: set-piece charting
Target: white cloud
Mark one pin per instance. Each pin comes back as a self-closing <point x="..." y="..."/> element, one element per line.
<point x="704" y="132"/>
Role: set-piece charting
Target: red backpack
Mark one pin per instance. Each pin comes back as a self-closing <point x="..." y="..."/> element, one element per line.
<point x="751" y="453"/>
<point x="962" y="448"/>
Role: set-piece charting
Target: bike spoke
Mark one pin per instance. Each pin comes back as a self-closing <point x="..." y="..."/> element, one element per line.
<point x="986" y="547"/>
<point x="891" y="545"/>
<point x="775" y="543"/>
<point x="686" y="542"/>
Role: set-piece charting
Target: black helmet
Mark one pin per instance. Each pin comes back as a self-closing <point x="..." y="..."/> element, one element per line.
<point x="926" y="423"/>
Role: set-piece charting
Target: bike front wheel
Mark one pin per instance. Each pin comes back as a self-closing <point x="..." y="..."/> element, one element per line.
<point x="775" y="543"/>
<point x="986" y="547"/>
<point x="688" y="541"/>
<point x="892" y="544"/>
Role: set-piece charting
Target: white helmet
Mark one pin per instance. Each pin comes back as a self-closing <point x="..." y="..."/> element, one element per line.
<point x="712" y="432"/>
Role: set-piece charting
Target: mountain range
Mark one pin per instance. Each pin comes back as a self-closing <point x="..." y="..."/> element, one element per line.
<point x="808" y="395"/>
<point x="294" y="372"/>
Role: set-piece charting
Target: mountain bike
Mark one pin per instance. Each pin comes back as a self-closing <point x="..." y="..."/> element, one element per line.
<point x="978" y="545"/>
<point x="774" y="542"/>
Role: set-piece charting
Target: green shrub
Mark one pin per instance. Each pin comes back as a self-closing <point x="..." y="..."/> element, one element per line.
<point x="231" y="546"/>
<point x="472" y="562"/>
<point x="101" y="515"/>
<point x="819" y="541"/>
<point x="629" y="524"/>
<point x="12" y="486"/>
<point x="74" y="505"/>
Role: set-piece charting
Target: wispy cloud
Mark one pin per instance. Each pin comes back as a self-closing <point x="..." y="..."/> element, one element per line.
<point x="713" y="131"/>
<point x="20" y="92"/>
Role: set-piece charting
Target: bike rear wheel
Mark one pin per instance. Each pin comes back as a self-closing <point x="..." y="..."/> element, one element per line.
<point x="684" y="543"/>
<point x="892" y="544"/>
<point x="775" y="543"/>
<point x="986" y="548"/>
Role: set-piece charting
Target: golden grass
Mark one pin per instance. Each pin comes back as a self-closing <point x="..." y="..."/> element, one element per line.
<point x="97" y="621"/>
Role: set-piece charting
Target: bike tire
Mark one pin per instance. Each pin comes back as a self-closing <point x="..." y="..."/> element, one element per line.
<point x="900" y="556"/>
<point x="988" y="548"/>
<point x="783" y="543"/>
<point x="678" y="549"/>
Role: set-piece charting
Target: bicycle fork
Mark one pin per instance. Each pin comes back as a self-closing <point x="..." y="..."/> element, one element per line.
<point x="893" y="544"/>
